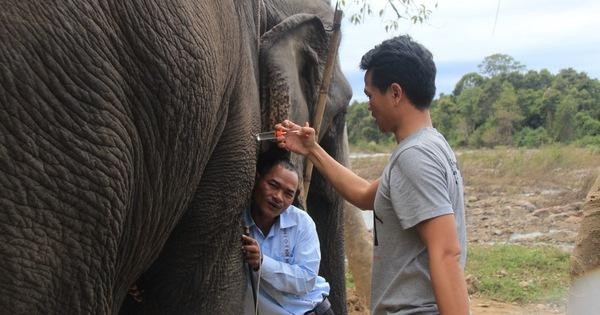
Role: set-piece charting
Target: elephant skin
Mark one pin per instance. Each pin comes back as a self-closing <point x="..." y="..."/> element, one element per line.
<point x="127" y="155"/>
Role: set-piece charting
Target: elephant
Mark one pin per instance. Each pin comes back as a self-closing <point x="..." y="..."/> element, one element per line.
<point x="585" y="258"/>
<point x="127" y="152"/>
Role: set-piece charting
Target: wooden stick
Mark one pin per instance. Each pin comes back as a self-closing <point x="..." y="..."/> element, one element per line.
<point x="323" y="91"/>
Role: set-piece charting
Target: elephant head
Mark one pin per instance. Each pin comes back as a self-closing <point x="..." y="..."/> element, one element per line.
<point x="293" y="55"/>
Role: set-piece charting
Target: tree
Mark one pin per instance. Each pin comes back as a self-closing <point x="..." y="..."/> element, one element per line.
<point x="490" y="93"/>
<point x="468" y="101"/>
<point x="444" y="114"/>
<point x="507" y="114"/>
<point x="411" y="10"/>
<point x="585" y="125"/>
<point x="564" y="121"/>
<point x="361" y="126"/>
<point x="530" y="101"/>
<point x="469" y="80"/>
<point x="497" y="64"/>
<point x="550" y="100"/>
<point x="537" y="80"/>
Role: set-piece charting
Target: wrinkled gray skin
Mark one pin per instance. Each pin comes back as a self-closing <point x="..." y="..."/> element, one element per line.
<point x="126" y="149"/>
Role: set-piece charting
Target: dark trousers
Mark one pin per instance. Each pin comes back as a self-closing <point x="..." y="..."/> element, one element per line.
<point x="323" y="308"/>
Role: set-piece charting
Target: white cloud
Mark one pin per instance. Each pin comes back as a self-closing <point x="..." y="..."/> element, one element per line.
<point x="550" y="34"/>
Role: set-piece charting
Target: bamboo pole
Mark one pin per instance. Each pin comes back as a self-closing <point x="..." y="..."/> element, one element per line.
<point x="323" y="91"/>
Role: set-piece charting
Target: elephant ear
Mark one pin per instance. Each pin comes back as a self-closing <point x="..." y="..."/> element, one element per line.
<point x="292" y="55"/>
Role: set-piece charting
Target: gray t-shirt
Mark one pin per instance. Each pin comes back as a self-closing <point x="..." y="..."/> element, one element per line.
<point x="421" y="181"/>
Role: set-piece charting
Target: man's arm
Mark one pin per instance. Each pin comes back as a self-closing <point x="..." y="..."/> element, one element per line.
<point x="440" y="237"/>
<point x="298" y="278"/>
<point x="352" y="187"/>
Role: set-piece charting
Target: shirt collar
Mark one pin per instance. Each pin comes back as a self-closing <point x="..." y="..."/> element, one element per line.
<point x="286" y="219"/>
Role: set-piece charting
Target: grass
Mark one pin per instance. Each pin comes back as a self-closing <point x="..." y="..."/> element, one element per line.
<point x="522" y="162"/>
<point x="349" y="280"/>
<point x="514" y="273"/>
<point x="567" y="168"/>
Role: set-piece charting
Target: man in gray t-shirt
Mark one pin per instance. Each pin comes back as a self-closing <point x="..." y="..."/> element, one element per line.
<point x="420" y="182"/>
<point x="419" y="253"/>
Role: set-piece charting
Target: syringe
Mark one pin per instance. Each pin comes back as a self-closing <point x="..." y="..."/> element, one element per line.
<point x="272" y="135"/>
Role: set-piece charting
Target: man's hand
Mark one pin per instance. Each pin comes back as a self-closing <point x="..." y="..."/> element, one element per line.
<point x="295" y="138"/>
<point x="251" y="252"/>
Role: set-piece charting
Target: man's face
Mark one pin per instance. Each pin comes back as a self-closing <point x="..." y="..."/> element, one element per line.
<point x="275" y="191"/>
<point x="380" y="104"/>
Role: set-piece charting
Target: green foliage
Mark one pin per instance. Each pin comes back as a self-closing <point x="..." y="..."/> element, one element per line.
<point x="590" y="142"/>
<point x="564" y="120"/>
<point x="362" y="130"/>
<point x="414" y="11"/>
<point x="349" y="281"/>
<point x="532" y="138"/>
<point x="585" y="125"/>
<point x="507" y="106"/>
<point x="519" y="274"/>
<point x="498" y="64"/>
<point x="507" y="115"/>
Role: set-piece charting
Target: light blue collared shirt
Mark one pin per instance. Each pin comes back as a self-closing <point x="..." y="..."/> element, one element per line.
<point x="289" y="283"/>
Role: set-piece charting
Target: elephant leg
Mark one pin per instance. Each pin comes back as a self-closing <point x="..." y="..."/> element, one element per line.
<point x="200" y="269"/>
<point x="326" y="207"/>
<point x="359" y="250"/>
<point x="586" y="254"/>
<point x="225" y="190"/>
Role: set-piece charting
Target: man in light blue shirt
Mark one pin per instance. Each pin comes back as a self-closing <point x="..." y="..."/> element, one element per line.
<point x="282" y="247"/>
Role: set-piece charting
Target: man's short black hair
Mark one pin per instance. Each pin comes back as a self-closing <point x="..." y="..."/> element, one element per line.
<point x="266" y="163"/>
<point x="406" y="62"/>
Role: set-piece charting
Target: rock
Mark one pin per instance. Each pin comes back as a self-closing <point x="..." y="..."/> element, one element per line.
<point x="558" y="216"/>
<point x="472" y="284"/>
<point x="544" y="212"/>
<point x="472" y="198"/>
<point x="573" y="220"/>
<point x="527" y="205"/>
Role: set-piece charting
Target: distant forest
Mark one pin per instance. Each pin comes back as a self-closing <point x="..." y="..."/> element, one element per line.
<point x="504" y="104"/>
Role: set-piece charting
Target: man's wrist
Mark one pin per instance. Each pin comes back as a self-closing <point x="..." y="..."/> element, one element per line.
<point x="313" y="153"/>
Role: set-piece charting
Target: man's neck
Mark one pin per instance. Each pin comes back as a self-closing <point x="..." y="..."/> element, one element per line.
<point x="415" y="120"/>
<point x="263" y="223"/>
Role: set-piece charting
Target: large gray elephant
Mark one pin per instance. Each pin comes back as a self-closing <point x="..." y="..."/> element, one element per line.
<point x="126" y="147"/>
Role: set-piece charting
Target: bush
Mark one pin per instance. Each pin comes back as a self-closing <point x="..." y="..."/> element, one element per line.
<point x="592" y="142"/>
<point x="532" y="138"/>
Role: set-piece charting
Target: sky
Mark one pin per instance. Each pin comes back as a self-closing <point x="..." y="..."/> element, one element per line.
<point x="540" y="34"/>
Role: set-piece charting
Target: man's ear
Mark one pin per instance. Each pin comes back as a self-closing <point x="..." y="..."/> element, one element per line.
<point x="396" y="90"/>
